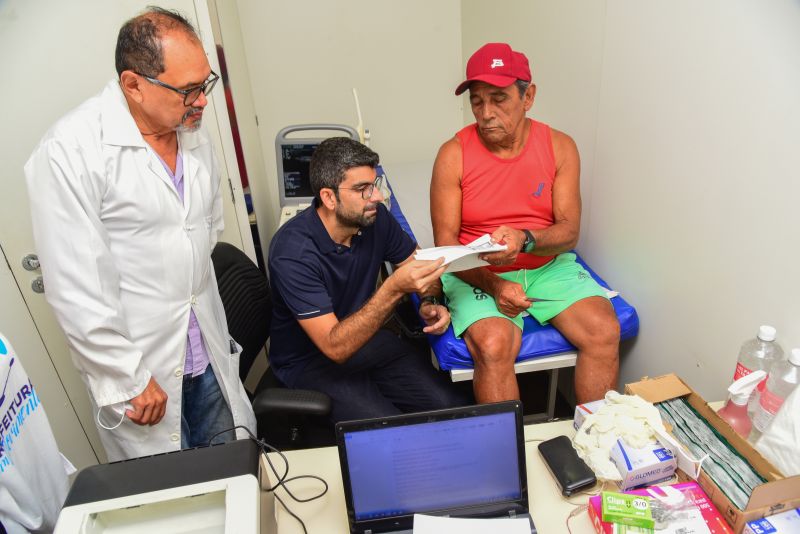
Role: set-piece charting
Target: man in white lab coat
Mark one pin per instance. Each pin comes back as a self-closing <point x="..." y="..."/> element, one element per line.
<point x="126" y="206"/>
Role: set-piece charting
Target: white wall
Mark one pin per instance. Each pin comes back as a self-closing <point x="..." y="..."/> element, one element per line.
<point x="695" y="182"/>
<point x="687" y="118"/>
<point x="402" y="57"/>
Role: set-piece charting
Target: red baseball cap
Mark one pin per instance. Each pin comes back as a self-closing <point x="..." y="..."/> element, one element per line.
<point x="496" y="64"/>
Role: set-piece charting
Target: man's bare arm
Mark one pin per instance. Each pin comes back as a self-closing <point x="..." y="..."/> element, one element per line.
<point x="339" y="340"/>
<point x="446" y="209"/>
<point x="436" y="316"/>
<point x="563" y="234"/>
<point x="445" y="195"/>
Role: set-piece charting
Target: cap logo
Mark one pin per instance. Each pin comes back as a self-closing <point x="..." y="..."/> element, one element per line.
<point x="497" y="63"/>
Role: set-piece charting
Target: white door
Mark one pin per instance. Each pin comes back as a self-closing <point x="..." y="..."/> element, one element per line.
<point x="16" y="324"/>
<point x="54" y="55"/>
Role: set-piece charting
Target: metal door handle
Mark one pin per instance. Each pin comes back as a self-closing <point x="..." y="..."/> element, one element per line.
<point x="37" y="284"/>
<point x="30" y="262"/>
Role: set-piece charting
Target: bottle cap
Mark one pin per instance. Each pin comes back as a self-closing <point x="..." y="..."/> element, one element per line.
<point x="794" y="357"/>
<point x="766" y="333"/>
<point x="741" y="389"/>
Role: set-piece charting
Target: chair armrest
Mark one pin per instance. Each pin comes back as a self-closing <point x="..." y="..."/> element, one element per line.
<point x="291" y="402"/>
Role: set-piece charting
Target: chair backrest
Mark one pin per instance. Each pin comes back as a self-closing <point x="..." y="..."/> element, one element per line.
<point x="246" y="298"/>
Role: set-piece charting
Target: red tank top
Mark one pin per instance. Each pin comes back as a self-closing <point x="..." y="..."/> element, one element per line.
<point x="516" y="192"/>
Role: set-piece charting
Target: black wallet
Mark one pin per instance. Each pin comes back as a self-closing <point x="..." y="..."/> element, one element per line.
<point x="571" y="473"/>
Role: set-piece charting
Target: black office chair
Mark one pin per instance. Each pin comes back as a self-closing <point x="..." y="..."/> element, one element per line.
<point x="287" y="418"/>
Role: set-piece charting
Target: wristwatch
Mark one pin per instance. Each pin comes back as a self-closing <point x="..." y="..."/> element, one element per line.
<point x="429" y="299"/>
<point x="530" y="241"/>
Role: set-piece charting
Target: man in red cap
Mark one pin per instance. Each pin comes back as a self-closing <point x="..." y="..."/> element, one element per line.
<point x="518" y="180"/>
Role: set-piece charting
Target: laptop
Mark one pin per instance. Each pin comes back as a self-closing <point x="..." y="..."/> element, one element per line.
<point x="459" y="462"/>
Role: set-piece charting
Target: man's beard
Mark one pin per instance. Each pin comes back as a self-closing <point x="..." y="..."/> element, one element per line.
<point x="183" y="127"/>
<point x="356" y="220"/>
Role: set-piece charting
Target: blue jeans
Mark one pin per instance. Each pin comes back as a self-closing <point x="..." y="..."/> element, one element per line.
<point x="204" y="411"/>
<point x="385" y="377"/>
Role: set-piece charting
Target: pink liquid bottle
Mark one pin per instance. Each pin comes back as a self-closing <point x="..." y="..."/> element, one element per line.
<point x="735" y="410"/>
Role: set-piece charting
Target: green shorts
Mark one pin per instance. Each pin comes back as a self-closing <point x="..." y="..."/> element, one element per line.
<point x="563" y="279"/>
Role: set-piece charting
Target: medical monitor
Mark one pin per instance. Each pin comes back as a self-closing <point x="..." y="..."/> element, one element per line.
<point x="293" y="158"/>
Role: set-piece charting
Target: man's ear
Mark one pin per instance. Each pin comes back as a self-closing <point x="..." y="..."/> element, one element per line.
<point x="129" y="82"/>
<point x="328" y="198"/>
<point x="530" y="94"/>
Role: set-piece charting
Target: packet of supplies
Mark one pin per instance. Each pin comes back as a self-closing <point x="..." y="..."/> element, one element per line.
<point x="783" y="523"/>
<point x="625" y="509"/>
<point x="584" y="410"/>
<point x="681" y="508"/>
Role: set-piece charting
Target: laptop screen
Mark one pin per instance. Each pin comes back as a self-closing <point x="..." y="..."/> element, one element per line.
<point x="439" y="465"/>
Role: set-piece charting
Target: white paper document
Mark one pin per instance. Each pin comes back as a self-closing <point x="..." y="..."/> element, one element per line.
<point x="428" y="524"/>
<point x="461" y="257"/>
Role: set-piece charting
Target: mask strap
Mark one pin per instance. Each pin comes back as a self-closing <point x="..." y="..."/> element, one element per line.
<point x="100" y="423"/>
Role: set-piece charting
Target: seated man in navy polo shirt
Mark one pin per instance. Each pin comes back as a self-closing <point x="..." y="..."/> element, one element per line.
<point x="327" y="315"/>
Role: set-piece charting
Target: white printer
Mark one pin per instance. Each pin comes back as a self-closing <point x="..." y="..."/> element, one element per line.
<point x="204" y="490"/>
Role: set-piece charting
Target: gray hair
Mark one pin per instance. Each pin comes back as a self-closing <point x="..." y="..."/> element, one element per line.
<point x="335" y="156"/>
<point x="522" y="86"/>
<point x="139" y="40"/>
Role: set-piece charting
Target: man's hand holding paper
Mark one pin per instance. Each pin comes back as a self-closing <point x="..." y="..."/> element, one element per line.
<point x="463" y="257"/>
<point x="512" y="239"/>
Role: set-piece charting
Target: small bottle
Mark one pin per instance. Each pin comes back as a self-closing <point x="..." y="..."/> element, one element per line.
<point x="735" y="410"/>
<point x="762" y="352"/>
<point x="782" y="380"/>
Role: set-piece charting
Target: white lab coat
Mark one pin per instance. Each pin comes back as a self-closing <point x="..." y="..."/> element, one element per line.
<point x="124" y="261"/>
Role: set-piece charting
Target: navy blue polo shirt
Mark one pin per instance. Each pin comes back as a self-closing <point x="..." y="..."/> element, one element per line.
<point x="311" y="275"/>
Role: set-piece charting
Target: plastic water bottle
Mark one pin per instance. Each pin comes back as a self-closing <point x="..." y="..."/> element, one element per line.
<point x="762" y="353"/>
<point x="782" y="380"/>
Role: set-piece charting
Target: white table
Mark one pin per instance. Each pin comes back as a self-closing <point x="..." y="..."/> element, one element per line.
<point x="328" y="515"/>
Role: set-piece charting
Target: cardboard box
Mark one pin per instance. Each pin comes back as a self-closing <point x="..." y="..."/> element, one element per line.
<point x="642" y="466"/>
<point x="704" y="519"/>
<point x="777" y="494"/>
<point x="783" y="523"/>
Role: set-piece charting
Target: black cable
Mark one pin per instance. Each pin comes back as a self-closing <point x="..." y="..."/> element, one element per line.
<point x="292" y="513"/>
<point x="282" y="480"/>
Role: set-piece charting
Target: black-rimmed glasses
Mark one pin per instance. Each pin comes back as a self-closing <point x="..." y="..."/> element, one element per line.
<point x="367" y="190"/>
<point x="191" y="94"/>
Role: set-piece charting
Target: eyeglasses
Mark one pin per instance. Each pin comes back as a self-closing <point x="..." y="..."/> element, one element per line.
<point x="191" y="94"/>
<point x="367" y="190"/>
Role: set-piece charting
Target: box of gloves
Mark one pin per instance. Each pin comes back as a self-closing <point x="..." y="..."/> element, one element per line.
<point x="741" y="484"/>
<point x="639" y="460"/>
<point x="618" y="437"/>
<point x="584" y="410"/>
<point x="642" y="466"/>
